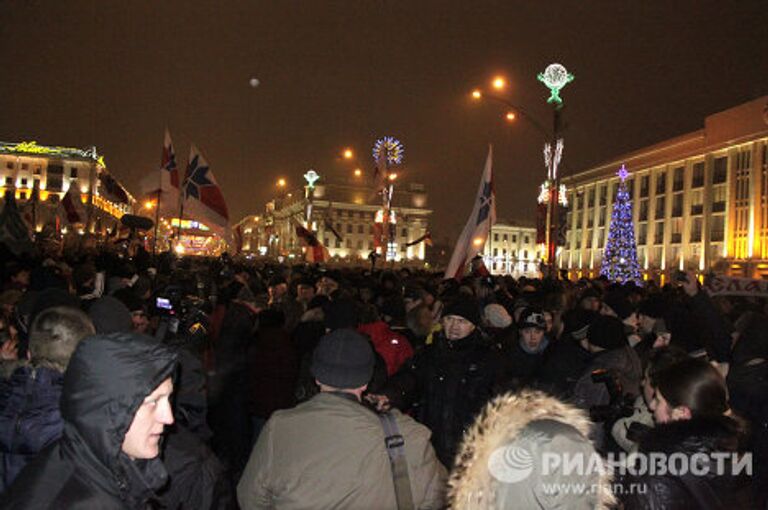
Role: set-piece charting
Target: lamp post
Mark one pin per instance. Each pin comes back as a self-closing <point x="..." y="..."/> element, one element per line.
<point x="554" y="77"/>
<point x="387" y="153"/>
<point x="309" y="193"/>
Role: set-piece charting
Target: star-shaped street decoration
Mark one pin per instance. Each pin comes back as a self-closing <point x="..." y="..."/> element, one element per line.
<point x="198" y="177"/>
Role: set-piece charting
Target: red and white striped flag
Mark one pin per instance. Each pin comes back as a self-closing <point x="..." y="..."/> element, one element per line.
<point x="72" y="206"/>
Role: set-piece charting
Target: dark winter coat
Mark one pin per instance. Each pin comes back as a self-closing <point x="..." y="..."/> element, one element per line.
<point x="273" y="367"/>
<point x="30" y="419"/>
<point x="711" y="491"/>
<point x="107" y="380"/>
<point x="447" y="383"/>
<point x="566" y="362"/>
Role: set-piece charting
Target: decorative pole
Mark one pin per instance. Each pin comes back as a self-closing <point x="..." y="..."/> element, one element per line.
<point x="554" y="77"/>
<point x="388" y="153"/>
<point x="309" y="193"/>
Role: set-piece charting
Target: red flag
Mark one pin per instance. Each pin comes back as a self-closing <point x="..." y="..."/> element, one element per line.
<point x="316" y="252"/>
<point x="73" y="207"/>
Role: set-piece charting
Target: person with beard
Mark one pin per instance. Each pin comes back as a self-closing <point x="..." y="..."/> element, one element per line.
<point x="448" y="382"/>
<point x="115" y="404"/>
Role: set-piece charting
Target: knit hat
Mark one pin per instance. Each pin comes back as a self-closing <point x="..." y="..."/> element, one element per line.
<point x="497" y="316"/>
<point x="532" y="317"/>
<point x="607" y="332"/>
<point x="343" y="359"/>
<point x="577" y="323"/>
<point x="619" y="304"/>
<point x="466" y="307"/>
<point x="652" y="307"/>
<point x="110" y="315"/>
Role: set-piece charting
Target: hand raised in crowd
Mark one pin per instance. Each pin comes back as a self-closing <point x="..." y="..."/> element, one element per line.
<point x="381" y="402"/>
<point x="8" y="351"/>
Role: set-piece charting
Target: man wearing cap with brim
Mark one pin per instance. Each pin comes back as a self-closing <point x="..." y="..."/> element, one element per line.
<point x="526" y="355"/>
<point x="329" y="452"/>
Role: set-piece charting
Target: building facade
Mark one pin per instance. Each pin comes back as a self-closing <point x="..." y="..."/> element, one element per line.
<point x="27" y="169"/>
<point x="511" y="249"/>
<point x="700" y="201"/>
<point x="343" y="216"/>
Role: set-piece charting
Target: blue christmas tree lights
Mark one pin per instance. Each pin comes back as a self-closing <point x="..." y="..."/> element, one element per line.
<point x="620" y="257"/>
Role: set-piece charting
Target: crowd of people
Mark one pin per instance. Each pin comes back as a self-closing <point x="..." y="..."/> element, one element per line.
<point x="132" y="381"/>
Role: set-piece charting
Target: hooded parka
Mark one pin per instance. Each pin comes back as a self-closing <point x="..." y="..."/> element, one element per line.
<point x="108" y="378"/>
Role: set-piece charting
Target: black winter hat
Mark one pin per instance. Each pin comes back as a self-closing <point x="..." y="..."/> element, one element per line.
<point x="619" y="304"/>
<point x="110" y="315"/>
<point x="653" y="307"/>
<point x="532" y="317"/>
<point x="341" y="313"/>
<point x="343" y="359"/>
<point x="465" y="307"/>
<point x="607" y="332"/>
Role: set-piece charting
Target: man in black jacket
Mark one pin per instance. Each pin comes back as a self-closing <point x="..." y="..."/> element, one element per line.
<point x="115" y="406"/>
<point x="449" y="381"/>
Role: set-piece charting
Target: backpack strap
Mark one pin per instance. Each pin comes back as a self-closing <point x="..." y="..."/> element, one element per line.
<point x="395" y="444"/>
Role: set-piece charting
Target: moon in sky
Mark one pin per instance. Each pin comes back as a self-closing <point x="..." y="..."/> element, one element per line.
<point x="254" y="82"/>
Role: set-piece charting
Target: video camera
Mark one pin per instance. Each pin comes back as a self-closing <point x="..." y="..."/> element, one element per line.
<point x="182" y="317"/>
<point x="619" y="405"/>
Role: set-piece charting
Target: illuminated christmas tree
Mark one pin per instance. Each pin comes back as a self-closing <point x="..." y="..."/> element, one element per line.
<point x="620" y="257"/>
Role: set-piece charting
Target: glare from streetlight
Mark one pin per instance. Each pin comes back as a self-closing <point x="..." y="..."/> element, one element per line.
<point x="392" y="176"/>
<point x="358" y="172"/>
<point x="348" y="154"/>
<point x="281" y="183"/>
<point x="149" y="204"/>
<point x="511" y="116"/>
<point x="499" y="83"/>
<point x="476" y="94"/>
<point x="477" y="241"/>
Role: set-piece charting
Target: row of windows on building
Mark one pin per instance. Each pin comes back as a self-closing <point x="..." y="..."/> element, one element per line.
<point x="54" y="179"/>
<point x="505" y="238"/>
<point x="512" y="253"/>
<point x="37" y="170"/>
<point x="350" y="229"/>
<point x="359" y="245"/>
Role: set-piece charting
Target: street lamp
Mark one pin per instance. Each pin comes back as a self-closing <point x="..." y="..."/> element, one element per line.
<point x="358" y="172"/>
<point x="554" y="77"/>
<point x="348" y="154"/>
<point x="281" y="183"/>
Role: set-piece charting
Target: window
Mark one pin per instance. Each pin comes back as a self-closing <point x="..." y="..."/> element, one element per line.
<point x="360" y="229"/>
<point x="24" y="166"/>
<point x="23" y="195"/>
<point x="603" y="195"/>
<point x="325" y="242"/>
<point x="659" y="207"/>
<point x="525" y="254"/>
<point x="54" y="178"/>
<point x="661" y="183"/>
<point x="677" y="205"/>
<point x="349" y="228"/>
<point x="642" y="233"/>
<point x="720" y="171"/>
<point x="24" y="182"/>
<point x="73" y="172"/>
<point x="338" y="227"/>
<point x="505" y="238"/>
<point x="9" y="165"/>
<point x="644" y="185"/>
<point x="643" y="213"/>
<point x="697" y="204"/>
<point x="658" y="237"/>
<point x="405" y="232"/>
<point x="9" y="181"/>
<point x="38" y="170"/>
<point x="698" y="175"/>
<point x="495" y="252"/>
<point x="495" y="238"/>
<point x="677" y="182"/>
<point x="527" y="239"/>
<point x="370" y="245"/>
<point x="716" y="228"/>
<point x="359" y="245"/>
<point x="348" y="243"/>
<point x="695" y="230"/>
<point x="338" y="243"/>
<point x="591" y="198"/>
<point x="514" y="238"/>
<point x="718" y="198"/>
<point x="676" y="235"/>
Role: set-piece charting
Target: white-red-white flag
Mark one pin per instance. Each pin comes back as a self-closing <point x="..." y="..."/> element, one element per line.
<point x="475" y="233"/>
<point x="202" y="196"/>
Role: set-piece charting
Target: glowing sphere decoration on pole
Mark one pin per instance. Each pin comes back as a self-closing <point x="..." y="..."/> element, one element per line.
<point x="392" y="147"/>
<point x="555" y="77"/>
<point x="311" y="177"/>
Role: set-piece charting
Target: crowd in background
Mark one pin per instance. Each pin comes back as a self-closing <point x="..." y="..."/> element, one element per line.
<point x="273" y="376"/>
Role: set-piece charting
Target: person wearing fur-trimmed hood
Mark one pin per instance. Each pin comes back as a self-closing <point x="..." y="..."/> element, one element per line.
<point x="501" y="463"/>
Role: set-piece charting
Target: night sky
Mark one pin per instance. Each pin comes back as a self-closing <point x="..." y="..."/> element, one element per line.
<point x="333" y="74"/>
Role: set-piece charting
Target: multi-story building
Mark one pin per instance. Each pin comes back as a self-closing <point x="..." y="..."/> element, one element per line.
<point x="344" y="218"/>
<point x="511" y="249"/>
<point x="26" y="168"/>
<point x="700" y="200"/>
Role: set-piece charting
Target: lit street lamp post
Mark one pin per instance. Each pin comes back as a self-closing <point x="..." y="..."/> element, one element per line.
<point x="554" y="77"/>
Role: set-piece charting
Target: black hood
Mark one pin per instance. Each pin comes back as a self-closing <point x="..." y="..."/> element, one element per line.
<point x="106" y="381"/>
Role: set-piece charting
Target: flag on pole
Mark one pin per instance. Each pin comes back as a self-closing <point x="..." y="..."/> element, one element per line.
<point x="203" y="200"/>
<point x="167" y="188"/>
<point x="475" y="233"/>
<point x="168" y="167"/>
<point x="72" y="206"/>
<point x="316" y="251"/>
<point x="13" y="231"/>
<point x="426" y="238"/>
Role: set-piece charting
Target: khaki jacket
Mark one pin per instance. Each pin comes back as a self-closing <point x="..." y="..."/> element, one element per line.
<point x="329" y="453"/>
